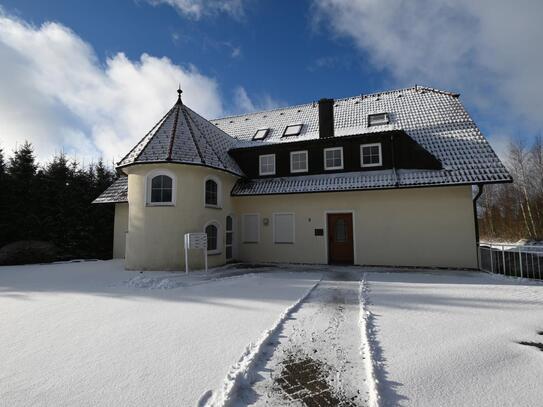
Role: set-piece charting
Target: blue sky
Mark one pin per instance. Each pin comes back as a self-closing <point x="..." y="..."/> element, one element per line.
<point x="234" y="56"/>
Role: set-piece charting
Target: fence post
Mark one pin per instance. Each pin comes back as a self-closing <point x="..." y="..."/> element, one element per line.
<point x="520" y="261"/>
<point x="491" y="261"/>
<point x="503" y="258"/>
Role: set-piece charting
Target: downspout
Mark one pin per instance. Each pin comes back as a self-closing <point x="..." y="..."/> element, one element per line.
<point x="396" y="181"/>
<point x="476" y="220"/>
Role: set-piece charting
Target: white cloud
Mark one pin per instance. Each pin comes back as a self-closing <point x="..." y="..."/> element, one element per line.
<point x="245" y="104"/>
<point x="57" y="95"/>
<point x="488" y="50"/>
<point x="196" y="9"/>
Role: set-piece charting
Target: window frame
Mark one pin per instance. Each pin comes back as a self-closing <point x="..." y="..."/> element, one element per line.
<point x="219" y="192"/>
<point x="217" y="225"/>
<point x="294" y="134"/>
<point x="292" y="170"/>
<point x="266" y="132"/>
<point x="260" y="157"/>
<point x="379" y="164"/>
<point x="274" y="215"/>
<point x="243" y="237"/>
<point x="148" y="187"/>
<point x="387" y="117"/>
<point x="326" y="168"/>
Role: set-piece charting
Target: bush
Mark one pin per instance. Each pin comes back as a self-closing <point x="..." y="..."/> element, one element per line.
<point x="28" y="252"/>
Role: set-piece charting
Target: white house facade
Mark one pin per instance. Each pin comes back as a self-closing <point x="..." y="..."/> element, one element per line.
<point x="383" y="179"/>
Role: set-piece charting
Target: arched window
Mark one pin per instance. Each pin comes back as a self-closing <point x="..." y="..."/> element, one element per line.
<point x="212" y="192"/>
<point x="160" y="188"/>
<point x="214" y="238"/>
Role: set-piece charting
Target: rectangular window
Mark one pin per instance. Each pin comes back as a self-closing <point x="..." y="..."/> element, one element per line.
<point x="261" y="134"/>
<point x="333" y="158"/>
<point x="267" y="164"/>
<point x="370" y="155"/>
<point x="292" y="130"/>
<point x="298" y="161"/>
<point x="283" y="228"/>
<point x="378" y="119"/>
<point x="250" y="227"/>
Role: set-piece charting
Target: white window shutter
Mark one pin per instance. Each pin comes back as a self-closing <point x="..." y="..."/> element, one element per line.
<point x="283" y="227"/>
<point x="251" y="228"/>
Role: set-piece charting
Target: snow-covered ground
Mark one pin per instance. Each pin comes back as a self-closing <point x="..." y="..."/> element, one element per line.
<point x="92" y="334"/>
<point x="81" y="334"/>
<point x="451" y="339"/>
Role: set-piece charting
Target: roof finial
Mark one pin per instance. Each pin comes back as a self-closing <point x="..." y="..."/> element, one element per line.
<point x="179" y="91"/>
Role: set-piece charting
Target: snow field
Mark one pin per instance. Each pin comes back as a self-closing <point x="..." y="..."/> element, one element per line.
<point x="77" y="334"/>
<point x="451" y="339"/>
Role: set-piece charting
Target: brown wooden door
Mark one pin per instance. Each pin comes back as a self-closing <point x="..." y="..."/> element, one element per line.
<point x="340" y="238"/>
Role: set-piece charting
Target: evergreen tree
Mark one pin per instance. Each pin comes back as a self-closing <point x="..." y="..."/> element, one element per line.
<point x="21" y="198"/>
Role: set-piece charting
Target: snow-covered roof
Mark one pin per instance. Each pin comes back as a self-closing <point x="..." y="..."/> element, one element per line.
<point x="183" y="136"/>
<point x="433" y="118"/>
<point x="116" y="192"/>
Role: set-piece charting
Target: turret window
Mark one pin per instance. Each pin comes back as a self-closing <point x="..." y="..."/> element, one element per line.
<point x="160" y="188"/>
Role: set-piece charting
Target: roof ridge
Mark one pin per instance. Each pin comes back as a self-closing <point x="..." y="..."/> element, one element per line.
<point x="206" y="140"/>
<point x="361" y="95"/>
<point x="174" y="129"/>
<point x="191" y="132"/>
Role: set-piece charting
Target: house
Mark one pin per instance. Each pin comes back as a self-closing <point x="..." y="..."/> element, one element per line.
<point x="378" y="179"/>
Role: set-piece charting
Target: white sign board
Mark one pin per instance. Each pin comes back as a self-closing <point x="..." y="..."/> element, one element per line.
<point x="195" y="241"/>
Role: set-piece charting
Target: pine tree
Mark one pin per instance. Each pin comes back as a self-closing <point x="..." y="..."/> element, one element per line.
<point x="22" y="199"/>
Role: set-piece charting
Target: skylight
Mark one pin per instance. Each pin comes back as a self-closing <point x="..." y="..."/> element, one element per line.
<point x="378" y="119"/>
<point x="292" y="130"/>
<point x="261" y="134"/>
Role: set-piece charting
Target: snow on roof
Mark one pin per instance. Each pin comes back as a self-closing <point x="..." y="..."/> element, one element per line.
<point x="435" y="119"/>
<point x="116" y="192"/>
<point x="183" y="136"/>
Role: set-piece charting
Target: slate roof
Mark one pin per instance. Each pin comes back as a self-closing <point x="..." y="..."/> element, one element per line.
<point x="183" y="136"/>
<point x="116" y="192"/>
<point x="433" y="118"/>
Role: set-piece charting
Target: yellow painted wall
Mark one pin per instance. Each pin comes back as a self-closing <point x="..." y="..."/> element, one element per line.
<point x="120" y="228"/>
<point x="155" y="237"/>
<point x="406" y="227"/>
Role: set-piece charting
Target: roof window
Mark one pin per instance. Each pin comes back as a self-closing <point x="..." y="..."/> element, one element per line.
<point x="378" y="119"/>
<point x="292" y="130"/>
<point x="261" y="134"/>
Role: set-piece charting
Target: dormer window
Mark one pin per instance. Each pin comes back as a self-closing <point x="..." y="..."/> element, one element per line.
<point x="267" y="164"/>
<point x="261" y="134"/>
<point x="378" y="119"/>
<point x="370" y="155"/>
<point x="292" y="130"/>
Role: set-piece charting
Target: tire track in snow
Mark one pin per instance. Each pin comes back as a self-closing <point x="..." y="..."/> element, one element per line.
<point x="369" y="346"/>
<point x="241" y="375"/>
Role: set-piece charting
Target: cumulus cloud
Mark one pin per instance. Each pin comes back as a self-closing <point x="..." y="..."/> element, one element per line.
<point x="486" y="49"/>
<point x="58" y="95"/>
<point x="197" y="9"/>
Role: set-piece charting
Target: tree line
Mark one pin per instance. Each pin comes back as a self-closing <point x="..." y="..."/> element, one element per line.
<point x="510" y="212"/>
<point x="52" y="203"/>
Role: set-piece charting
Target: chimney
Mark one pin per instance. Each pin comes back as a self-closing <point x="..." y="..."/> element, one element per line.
<point x="326" y="118"/>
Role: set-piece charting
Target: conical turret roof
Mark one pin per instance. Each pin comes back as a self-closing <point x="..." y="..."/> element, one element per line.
<point x="183" y="136"/>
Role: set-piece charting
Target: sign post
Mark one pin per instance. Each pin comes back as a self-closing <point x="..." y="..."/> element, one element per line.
<point x="195" y="241"/>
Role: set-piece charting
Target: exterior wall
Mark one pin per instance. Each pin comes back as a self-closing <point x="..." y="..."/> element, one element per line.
<point x="155" y="237"/>
<point x="406" y="227"/>
<point x="120" y="228"/>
